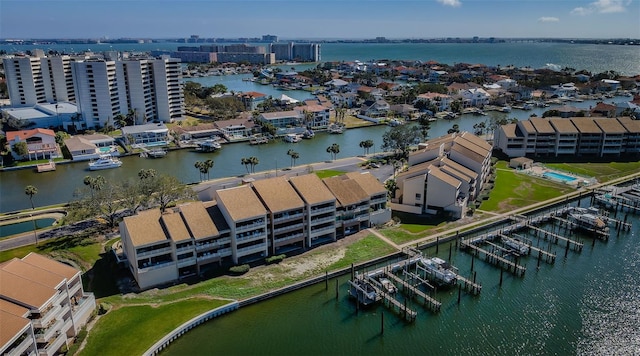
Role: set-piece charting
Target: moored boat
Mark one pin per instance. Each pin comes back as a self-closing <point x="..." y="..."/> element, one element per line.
<point x="439" y="270"/>
<point x="292" y="138"/>
<point x="105" y="162"/>
<point x="518" y="246"/>
<point x="210" y="145"/>
<point x="335" y="129"/>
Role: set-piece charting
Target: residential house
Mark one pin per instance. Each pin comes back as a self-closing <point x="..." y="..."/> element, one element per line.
<point x="375" y="108"/>
<point x="235" y="129"/>
<point x="476" y="97"/>
<point x="147" y="134"/>
<point x="318" y="115"/>
<point x="200" y="131"/>
<point x="282" y="120"/>
<point x="320" y="209"/>
<point x="441" y="101"/>
<point x="252" y="99"/>
<point x="41" y="143"/>
<point x="602" y="109"/>
<point x="86" y="147"/>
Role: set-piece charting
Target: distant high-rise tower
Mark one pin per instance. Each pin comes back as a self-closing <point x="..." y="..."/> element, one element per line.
<point x="269" y="38"/>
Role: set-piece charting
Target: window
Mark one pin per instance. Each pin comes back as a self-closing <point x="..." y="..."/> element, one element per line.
<point x="418" y="196"/>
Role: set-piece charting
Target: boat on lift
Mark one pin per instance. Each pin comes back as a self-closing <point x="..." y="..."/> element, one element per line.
<point x="439" y="270"/>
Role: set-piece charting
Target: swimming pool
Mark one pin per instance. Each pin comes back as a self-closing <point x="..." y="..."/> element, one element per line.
<point x="558" y="176"/>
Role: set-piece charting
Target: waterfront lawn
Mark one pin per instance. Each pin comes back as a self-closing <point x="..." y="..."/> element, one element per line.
<point x="601" y="171"/>
<point x="131" y="330"/>
<point x="516" y="190"/>
<point x="326" y="173"/>
<point x="363" y="250"/>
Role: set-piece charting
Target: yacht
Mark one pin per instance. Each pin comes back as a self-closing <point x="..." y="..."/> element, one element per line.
<point x="439" y="270"/>
<point x="588" y="218"/>
<point x="308" y="134"/>
<point x="292" y="138"/>
<point x="210" y="145"/>
<point x="335" y="129"/>
<point x="105" y="162"/>
<point x="518" y="246"/>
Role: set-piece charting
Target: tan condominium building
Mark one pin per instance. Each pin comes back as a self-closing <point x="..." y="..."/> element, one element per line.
<point x="248" y="223"/>
<point x="42" y="305"/>
<point x="577" y="136"/>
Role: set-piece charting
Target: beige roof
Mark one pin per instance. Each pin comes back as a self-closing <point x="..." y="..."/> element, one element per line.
<point x="51" y="265"/>
<point x="13" y="308"/>
<point x="472" y="146"/>
<point x="610" y="126"/>
<point x="586" y="125"/>
<point x="277" y="194"/>
<point x="542" y="126"/>
<point x="509" y="130"/>
<point x="368" y="182"/>
<point x="78" y="144"/>
<point x="460" y="168"/>
<point x="632" y="126"/>
<point x="311" y="189"/>
<point x="10" y="326"/>
<point x="280" y="114"/>
<point x="24" y="291"/>
<point x="144" y="228"/>
<point x="563" y="126"/>
<point x="31" y="272"/>
<point x="198" y="220"/>
<point x="527" y="127"/>
<point x="346" y="190"/>
<point x="468" y="153"/>
<point x="477" y="140"/>
<point x="418" y="169"/>
<point x="436" y="172"/>
<point x="456" y="173"/>
<point x="175" y="227"/>
<point x="241" y="202"/>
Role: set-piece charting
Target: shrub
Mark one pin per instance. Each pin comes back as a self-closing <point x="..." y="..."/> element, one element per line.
<point x="238" y="270"/>
<point x="275" y="259"/>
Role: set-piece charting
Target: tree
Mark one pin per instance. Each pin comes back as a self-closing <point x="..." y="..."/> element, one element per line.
<point x="208" y="165"/>
<point x="334" y="149"/>
<point x="366" y="145"/>
<point x="253" y="161"/>
<point x="294" y="156"/>
<point x="454" y="129"/>
<point x="31" y="191"/>
<point x="21" y="149"/>
<point x="168" y="189"/>
<point x="200" y="167"/>
<point x="94" y="184"/>
<point x="391" y="187"/>
<point x="246" y="163"/>
<point x="425" y="125"/>
<point x="400" y="138"/>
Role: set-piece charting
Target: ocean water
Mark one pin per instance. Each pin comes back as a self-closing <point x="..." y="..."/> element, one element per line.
<point x="584" y="304"/>
<point x="593" y="58"/>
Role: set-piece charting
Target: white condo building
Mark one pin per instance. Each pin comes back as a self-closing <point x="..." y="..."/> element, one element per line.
<point x="101" y="89"/>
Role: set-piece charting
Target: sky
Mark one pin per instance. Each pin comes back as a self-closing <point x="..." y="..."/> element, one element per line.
<point x="319" y="19"/>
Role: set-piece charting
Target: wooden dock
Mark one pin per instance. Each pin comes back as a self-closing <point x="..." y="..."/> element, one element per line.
<point x="412" y="291"/>
<point x="574" y="245"/>
<point x="492" y="258"/>
<point x="46" y="167"/>
<point x="601" y="234"/>
<point x="468" y="285"/>
<point x="392" y="302"/>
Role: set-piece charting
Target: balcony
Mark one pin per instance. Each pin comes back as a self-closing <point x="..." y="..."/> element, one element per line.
<point x="154" y="252"/>
<point x="288" y="228"/>
<point x="287" y="238"/>
<point x="42" y="335"/>
<point x="322" y="220"/>
<point x="288" y="217"/>
<point x="53" y="346"/>
<point x="75" y="287"/>
<point x="151" y="267"/>
<point x="185" y="249"/>
<point x="186" y="262"/>
<point x="322" y="210"/>
<point x="47" y="318"/>
<point x="251" y="249"/>
<point x="252" y="237"/>
<point x="254" y="225"/>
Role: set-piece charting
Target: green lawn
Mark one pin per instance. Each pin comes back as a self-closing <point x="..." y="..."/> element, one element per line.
<point x="363" y="250"/>
<point x="328" y="173"/>
<point x="131" y="330"/>
<point x="601" y="171"/>
<point x="515" y="190"/>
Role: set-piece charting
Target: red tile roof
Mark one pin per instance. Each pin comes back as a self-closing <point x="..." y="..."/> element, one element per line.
<point x="25" y="134"/>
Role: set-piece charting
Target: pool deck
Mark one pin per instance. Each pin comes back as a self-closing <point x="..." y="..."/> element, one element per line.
<point x="539" y="171"/>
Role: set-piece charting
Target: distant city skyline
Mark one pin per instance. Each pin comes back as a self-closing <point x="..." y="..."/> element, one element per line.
<point x="33" y="19"/>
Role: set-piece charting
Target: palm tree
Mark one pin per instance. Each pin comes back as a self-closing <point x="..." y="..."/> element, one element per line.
<point x="208" y="164"/>
<point x="334" y="149"/>
<point x="294" y="156"/>
<point x="253" y="161"/>
<point x="366" y="145"/>
<point x="31" y="191"/>
<point x="245" y="162"/>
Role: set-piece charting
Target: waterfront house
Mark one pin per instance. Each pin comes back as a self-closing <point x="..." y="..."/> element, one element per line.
<point x="282" y="120"/>
<point x="375" y="108"/>
<point x="41" y="143"/>
<point x="42" y="305"/>
<point x="602" y="109"/>
<point x="235" y="129"/>
<point x="319" y="115"/>
<point x="200" y="131"/>
<point x="477" y="97"/>
<point x="147" y="134"/>
<point x="86" y="147"/>
<point x="441" y="101"/>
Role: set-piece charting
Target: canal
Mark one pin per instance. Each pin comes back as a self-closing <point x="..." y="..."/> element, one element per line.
<point x="585" y="303"/>
<point x="59" y="186"/>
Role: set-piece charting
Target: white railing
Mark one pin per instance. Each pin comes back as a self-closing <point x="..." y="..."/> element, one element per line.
<point x="322" y="210"/>
<point x="249" y="227"/>
<point x="183" y="249"/>
<point x="44" y="320"/>
<point x="54" y="346"/>
<point x="46" y="334"/>
<point x="155" y="266"/>
<point x="289" y="237"/>
<point x="288" y="217"/>
<point x="180" y="330"/>
<point x="322" y="220"/>
<point x="86" y="305"/>
<point x="22" y="347"/>
<point x="288" y="228"/>
<point x="254" y="248"/>
<point x="250" y="238"/>
<point x="186" y="262"/>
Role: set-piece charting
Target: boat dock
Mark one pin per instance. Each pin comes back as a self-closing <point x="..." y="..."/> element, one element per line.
<point x="548" y="256"/>
<point x="599" y="233"/>
<point x="46" y="167"/>
<point x="380" y="294"/>
<point x="572" y="244"/>
<point x="492" y="258"/>
<point x="413" y="291"/>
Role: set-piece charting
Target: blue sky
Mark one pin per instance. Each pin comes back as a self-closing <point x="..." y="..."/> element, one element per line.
<point x="319" y="19"/>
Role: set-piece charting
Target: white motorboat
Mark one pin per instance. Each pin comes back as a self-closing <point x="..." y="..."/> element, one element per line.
<point x="388" y="286"/>
<point x="209" y="145"/>
<point x="335" y="129"/>
<point x="518" y="246"/>
<point x="105" y="162"/>
<point x="439" y="270"/>
<point x="292" y="138"/>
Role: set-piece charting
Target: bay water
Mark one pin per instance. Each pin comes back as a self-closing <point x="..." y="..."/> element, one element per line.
<point x="584" y="304"/>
